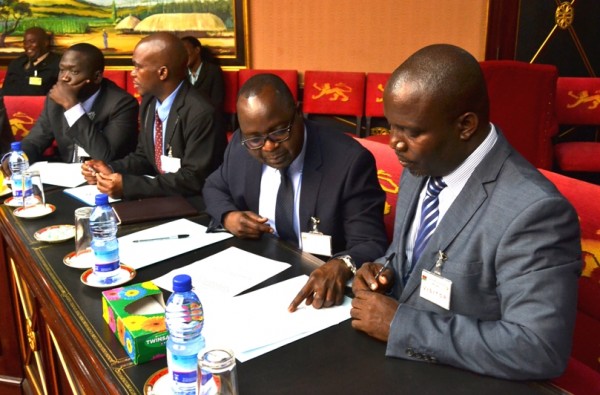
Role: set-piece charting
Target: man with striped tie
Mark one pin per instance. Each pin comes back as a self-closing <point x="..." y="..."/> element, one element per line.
<point x="486" y="251"/>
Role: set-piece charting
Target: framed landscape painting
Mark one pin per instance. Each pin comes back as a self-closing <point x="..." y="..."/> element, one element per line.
<point x="116" y="26"/>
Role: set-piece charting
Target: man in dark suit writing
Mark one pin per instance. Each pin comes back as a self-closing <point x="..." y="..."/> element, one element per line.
<point x="180" y="143"/>
<point x="284" y="176"/>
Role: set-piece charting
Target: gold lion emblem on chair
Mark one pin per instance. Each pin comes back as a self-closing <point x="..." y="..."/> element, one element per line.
<point x="337" y="92"/>
<point x="583" y="98"/>
<point x="20" y="123"/>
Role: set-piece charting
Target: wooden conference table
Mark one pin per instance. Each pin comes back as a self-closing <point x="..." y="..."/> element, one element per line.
<point x="54" y="323"/>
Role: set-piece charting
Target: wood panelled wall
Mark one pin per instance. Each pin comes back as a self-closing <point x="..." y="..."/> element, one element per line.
<point x="358" y="35"/>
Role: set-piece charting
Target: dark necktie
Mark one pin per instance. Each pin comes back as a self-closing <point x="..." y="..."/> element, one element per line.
<point x="429" y="216"/>
<point x="158" y="141"/>
<point x="284" y="210"/>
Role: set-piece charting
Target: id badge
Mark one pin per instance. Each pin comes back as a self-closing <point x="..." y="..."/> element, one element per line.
<point x="170" y="164"/>
<point x="436" y="289"/>
<point x="316" y="243"/>
<point x="37" y="81"/>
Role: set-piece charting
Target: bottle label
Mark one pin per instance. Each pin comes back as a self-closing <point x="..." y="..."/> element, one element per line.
<point x="106" y="267"/>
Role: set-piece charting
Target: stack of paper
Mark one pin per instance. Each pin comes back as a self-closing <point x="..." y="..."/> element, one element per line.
<point x="86" y="194"/>
<point x="66" y="175"/>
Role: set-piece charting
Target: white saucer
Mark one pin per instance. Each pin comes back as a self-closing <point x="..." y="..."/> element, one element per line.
<point x="126" y="273"/>
<point x="11" y="202"/>
<point x="159" y="383"/>
<point x="55" y="233"/>
<point x="84" y="260"/>
<point x="36" y="211"/>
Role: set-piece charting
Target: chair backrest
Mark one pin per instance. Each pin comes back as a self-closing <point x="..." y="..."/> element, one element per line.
<point x="23" y="112"/>
<point x="2" y="75"/>
<point x="231" y="80"/>
<point x="374" y="94"/>
<point x="522" y="104"/>
<point x="578" y="101"/>
<point x="290" y="77"/>
<point x="119" y="77"/>
<point x="389" y="171"/>
<point x="334" y="93"/>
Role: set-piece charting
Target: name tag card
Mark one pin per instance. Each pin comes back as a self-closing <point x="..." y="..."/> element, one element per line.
<point x="37" y="81"/>
<point x="170" y="164"/>
<point x="316" y="243"/>
<point x="436" y="289"/>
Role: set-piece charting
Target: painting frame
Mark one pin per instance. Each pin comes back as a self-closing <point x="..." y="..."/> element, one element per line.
<point x="237" y="60"/>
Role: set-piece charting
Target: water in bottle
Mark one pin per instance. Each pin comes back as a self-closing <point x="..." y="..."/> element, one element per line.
<point x="105" y="246"/>
<point x="19" y="163"/>
<point x="184" y="317"/>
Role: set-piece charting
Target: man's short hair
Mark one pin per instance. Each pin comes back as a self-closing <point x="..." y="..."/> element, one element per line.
<point x="92" y="53"/>
<point x="193" y="41"/>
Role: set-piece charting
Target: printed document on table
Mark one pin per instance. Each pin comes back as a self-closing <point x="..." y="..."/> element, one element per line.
<point x="86" y="194"/>
<point x="255" y="323"/>
<point x="141" y="254"/>
<point x="225" y="274"/>
<point x="66" y="175"/>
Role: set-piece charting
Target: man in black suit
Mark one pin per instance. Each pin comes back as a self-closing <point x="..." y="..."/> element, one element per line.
<point x="87" y="115"/>
<point x="35" y="71"/>
<point x="205" y="76"/>
<point x="180" y="143"/>
<point x="333" y="184"/>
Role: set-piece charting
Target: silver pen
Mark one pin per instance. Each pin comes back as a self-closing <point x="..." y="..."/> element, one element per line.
<point x="386" y="264"/>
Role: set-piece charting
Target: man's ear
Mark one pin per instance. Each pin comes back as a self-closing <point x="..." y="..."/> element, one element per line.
<point x="163" y="73"/>
<point x="467" y="125"/>
<point x="97" y="76"/>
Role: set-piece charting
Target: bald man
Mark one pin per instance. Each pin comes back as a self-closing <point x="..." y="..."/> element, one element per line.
<point x="180" y="142"/>
<point x="35" y="71"/>
<point x="487" y="251"/>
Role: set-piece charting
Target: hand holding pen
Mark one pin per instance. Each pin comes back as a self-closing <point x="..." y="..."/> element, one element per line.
<point x="386" y="264"/>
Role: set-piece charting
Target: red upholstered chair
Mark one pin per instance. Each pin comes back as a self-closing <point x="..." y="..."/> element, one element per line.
<point x="389" y="171"/>
<point x="119" y="77"/>
<point x="334" y="93"/>
<point x="583" y="372"/>
<point x="522" y="98"/>
<point x="23" y="112"/>
<point x="289" y="76"/>
<point x="231" y="79"/>
<point x="578" y="104"/>
<point x="374" y="97"/>
<point x="2" y="75"/>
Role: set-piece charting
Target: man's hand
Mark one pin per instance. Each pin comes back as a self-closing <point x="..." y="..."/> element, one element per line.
<point x="246" y="224"/>
<point x="373" y="313"/>
<point x="111" y="184"/>
<point x="325" y="287"/>
<point x="65" y="95"/>
<point x="90" y="168"/>
<point x="365" y="278"/>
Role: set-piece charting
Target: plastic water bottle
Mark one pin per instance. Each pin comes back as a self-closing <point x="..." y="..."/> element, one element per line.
<point x="184" y="317"/>
<point x="105" y="246"/>
<point x="19" y="163"/>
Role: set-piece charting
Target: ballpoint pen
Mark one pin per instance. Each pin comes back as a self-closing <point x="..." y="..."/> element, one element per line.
<point x="385" y="265"/>
<point x="174" y="237"/>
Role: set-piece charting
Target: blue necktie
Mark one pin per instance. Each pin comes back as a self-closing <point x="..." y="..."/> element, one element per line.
<point x="429" y="216"/>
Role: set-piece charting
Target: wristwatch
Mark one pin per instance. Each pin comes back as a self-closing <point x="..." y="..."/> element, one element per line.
<point x="347" y="259"/>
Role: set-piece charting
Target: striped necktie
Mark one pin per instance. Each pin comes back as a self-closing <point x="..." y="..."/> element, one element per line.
<point x="429" y="216"/>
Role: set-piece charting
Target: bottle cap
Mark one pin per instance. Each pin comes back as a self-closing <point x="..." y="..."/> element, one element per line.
<point x="101" y="199"/>
<point x="182" y="283"/>
<point x="15" y="146"/>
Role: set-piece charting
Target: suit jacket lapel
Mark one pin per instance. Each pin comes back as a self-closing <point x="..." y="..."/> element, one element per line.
<point x="252" y="186"/>
<point x="173" y="119"/>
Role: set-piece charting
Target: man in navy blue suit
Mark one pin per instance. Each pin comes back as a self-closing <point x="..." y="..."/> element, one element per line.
<point x="334" y="183"/>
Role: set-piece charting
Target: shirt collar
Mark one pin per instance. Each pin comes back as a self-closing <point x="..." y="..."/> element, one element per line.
<point x="88" y="104"/>
<point x="164" y="108"/>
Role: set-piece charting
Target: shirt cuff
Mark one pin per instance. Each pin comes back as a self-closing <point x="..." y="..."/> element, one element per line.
<point x="74" y="113"/>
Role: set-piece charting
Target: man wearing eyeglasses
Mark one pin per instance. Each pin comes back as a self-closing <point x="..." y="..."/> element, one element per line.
<point x="285" y="176"/>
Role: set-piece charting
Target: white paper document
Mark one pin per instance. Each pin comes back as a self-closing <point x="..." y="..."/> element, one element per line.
<point x="66" y="175"/>
<point x="225" y="274"/>
<point x="258" y="322"/>
<point x="86" y="194"/>
<point x="143" y="253"/>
